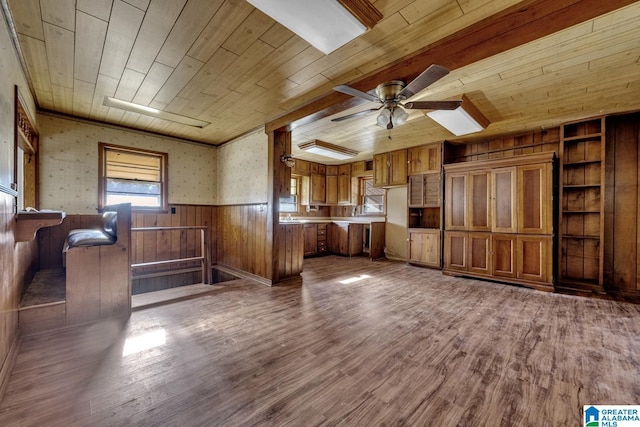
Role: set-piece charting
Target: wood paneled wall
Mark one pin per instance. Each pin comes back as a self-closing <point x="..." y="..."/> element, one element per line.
<point x="242" y="238"/>
<point x="18" y="264"/>
<point x="291" y="251"/>
<point x="507" y="146"/>
<point x="622" y="205"/>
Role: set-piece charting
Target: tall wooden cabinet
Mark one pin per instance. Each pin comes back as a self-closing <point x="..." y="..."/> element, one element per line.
<point x="582" y="201"/>
<point x="424" y="196"/>
<point x="498" y="219"/>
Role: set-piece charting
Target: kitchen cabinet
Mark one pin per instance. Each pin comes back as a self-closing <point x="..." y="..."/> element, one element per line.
<point x="390" y="169"/>
<point x="479" y="202"/>
<point x="424" y="247"/>
<point x="301" y="167"/>
<point x="479" y="253"/>
<point x="344" y="184"/>
<point x="424" y="190"/>
<point x="346" y="239"/>
<point x="504" y="200"/>
<point x="332" y="190"/>
<point x="318" y="189"/>
<point x="321" y="240"/>
<point x="424" y="159"/>
<point x="455" y="255"/>
<point x="456" y="200"/>
<point x="505" y="208"/>
<point x="310" y="232"/>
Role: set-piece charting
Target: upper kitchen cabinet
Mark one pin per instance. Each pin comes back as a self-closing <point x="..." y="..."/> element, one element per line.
<point x="390" y="169"/>
<point x="424" y="159"/>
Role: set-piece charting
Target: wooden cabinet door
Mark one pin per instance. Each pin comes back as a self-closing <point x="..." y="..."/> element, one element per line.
<point x="310" y="232"/>
<point x="344" y="189"/>
<point x="398" y="167"/>
<point x="301" y="167"/>
<point x="381" y="170"/>
<point x="504" y="200"/>
<point x="432" y="190"/>
<point x="356" y="239"/>
<point x="339" y="238"/>
<point x="455" y="250"/>
<point x="332" y="189"/>
<point x="456" y="201"/>
<point x="423" y="159"/>
<point x="416" y="191"/>
<point x="479" y="188"/>
<point x="479" y="253"/>
<point x="534" y="199"/>
<point x="424" y="247"/>
<point x="503" y="255"/>
<point x="534" y="258"/>
<point x="318" y="189"/>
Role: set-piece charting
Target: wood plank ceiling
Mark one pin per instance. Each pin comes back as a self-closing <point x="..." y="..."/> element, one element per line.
<point x="224" y="62"/>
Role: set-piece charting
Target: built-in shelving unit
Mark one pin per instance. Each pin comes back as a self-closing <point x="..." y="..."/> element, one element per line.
<point x="581" y="217"/>
<point x="424" y="200"/>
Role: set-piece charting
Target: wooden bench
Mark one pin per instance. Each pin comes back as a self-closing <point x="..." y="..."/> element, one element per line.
<point x="98" y="277"/>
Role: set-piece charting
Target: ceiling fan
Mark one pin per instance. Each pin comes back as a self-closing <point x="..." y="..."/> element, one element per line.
<point x="392" y="95"/>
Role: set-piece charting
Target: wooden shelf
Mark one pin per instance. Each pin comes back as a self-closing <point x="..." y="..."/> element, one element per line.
<point x="580" y="186"/>
<point x="582" y="163"/>
<point x="580" y="138"/>
<point x="581" y="225"/>
<point x="28" y="223"/>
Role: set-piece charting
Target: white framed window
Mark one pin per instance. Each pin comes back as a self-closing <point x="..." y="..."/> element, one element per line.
<point x="372" y="199"/>
<point x="135" y="176"/>
<point x="291" y="204"/>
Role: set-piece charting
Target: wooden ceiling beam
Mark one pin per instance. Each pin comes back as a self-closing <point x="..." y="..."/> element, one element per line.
<point x="527" y="21"/>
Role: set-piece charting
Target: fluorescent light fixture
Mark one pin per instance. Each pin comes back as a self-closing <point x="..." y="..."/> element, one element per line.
<point x="463" y="120"/>
<point x="328" y="150"/>
<point x="153" y="112"/>
<point x="325" y="24"/>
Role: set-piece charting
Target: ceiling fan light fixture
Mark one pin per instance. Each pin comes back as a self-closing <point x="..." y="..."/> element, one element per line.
<point x="384" y="118"/>
<point x="328" y="150"/>
<point x="464" y="120"/>
<point x="325" y="24"/>
<point x="399" y="116"/>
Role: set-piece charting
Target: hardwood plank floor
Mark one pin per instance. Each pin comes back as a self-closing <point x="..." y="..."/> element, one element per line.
<point x="358" y="343"/>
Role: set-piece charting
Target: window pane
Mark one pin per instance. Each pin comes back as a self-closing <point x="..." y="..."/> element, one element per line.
<point x="132" y="176"/>
<point x="372" y="198"/>
<point x="289" y="204"/>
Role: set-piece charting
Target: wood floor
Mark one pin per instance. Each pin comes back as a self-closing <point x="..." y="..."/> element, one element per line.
<point x="358" y="344"/>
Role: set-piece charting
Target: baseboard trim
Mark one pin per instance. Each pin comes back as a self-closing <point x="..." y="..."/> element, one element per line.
<point x="243" y="274"/>
<point x="9" y="362"/>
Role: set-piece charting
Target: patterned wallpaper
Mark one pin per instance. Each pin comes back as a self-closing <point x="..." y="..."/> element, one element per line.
<point x="69" y="164"/>
<point x="242" y="170"/>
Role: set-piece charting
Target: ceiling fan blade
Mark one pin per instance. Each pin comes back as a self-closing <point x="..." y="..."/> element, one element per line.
<point x="433" y="105"/>
<point x="355" y="92"/>
<point x="425" y="79"/>
<point x="351" y="116"/>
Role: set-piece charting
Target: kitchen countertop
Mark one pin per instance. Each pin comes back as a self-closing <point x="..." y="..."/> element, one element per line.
<point x="349" y="220"/>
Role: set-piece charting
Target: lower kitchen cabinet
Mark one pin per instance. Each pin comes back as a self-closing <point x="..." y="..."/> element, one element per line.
<point x="345" y="238"/>
<point x="516" y="258"/>
<point x="315" y="239"/>
<point x="310" y="239"/>
<point x="424" y="247"/>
